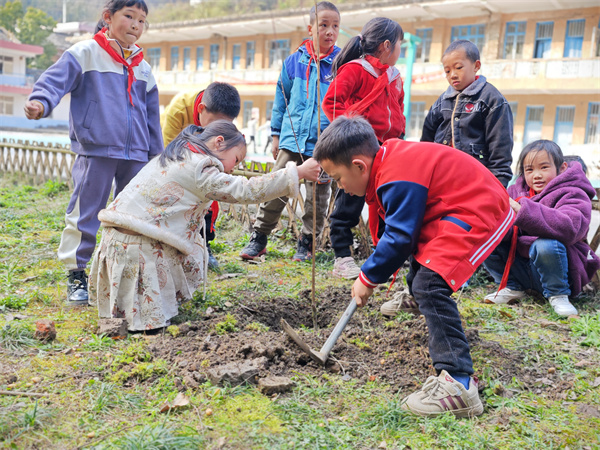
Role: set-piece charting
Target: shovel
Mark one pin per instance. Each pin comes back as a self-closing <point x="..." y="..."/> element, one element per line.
<point x="321" y="356"/>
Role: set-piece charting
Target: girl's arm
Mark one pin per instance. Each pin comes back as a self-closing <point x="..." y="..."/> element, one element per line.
<point x="340" y="91"/>
<point x="58" y="80"/>
<point x="218" y="186"/>
<point x="567" y="222"/>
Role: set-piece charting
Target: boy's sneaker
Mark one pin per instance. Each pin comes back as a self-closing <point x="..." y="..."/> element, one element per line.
<point x="442" y="394"/>
<point x="506" y="296"/>
<point x="77" y="288"/>
<point x="401" y="301"/>
<point x="213" y="264"/>
<point x="562" y="306"/>
<point x="256" y="247"/>
<point x="346" y="268"/>
<point x="304" y="250"/>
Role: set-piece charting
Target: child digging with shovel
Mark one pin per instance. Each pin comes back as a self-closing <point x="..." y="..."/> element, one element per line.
<point x="446" y="224"/>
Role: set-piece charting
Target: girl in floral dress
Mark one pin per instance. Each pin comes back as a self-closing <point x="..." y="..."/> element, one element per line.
<point x="152" y="254"/>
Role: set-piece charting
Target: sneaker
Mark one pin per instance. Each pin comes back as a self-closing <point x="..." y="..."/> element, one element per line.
<point x="304" y="250"/>
<point x="256" y="247"/>
<point x="562" y="306"/>
<point x="401" y="301"/>
<point x="506" y="296"/>
<point x="213" y="264"/>
<point x="442" y="394"/>
<point x="346" y="268"/>
<point x="77" y="288"/>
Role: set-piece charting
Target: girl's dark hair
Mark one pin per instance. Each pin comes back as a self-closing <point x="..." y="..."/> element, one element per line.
<point x="541" y="145"/>
<point x="178" y="149"/>
<point x="112" y="6"/>
<point x="376" y="31"/>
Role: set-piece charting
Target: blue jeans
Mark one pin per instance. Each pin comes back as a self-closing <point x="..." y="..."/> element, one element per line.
<point x="448" y="346"/>
<point x="545" y="271"/>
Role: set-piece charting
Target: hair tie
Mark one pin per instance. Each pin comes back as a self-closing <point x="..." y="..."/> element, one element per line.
<point x="360" y="37"/>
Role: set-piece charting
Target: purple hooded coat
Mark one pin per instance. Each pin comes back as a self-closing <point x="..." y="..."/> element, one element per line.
<point x="562" y="211"/>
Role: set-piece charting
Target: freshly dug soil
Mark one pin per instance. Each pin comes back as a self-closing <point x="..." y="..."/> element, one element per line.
<point x="370" y="348"/>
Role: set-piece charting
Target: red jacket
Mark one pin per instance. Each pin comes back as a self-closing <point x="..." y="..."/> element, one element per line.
<point x="354" y="81"/>
<point x="439" y="204"/>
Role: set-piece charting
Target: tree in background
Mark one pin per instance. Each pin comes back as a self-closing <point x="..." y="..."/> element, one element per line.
<point x="33" y="27"/>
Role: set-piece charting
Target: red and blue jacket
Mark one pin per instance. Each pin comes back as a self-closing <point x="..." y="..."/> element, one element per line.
<point x="439" y="204"/>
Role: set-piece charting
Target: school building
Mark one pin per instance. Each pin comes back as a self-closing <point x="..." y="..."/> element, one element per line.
<point x="544" y="56"/>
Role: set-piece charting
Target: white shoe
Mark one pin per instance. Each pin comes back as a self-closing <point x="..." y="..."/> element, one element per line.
<point x="562" y="306"/>
<point x="346" y="268"/>
<point x="401" y="301"/>
<point x="505" y="296"/>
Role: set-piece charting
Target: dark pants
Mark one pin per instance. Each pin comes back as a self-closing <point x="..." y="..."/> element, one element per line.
<point x="93" y="180"/>
<point x="448" y="344"/>
<point x="210" y="233"/>
<point x="345" y="216"/>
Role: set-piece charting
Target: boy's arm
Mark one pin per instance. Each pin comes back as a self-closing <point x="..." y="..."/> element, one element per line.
<point x="404" y="203"/>
<point x="339" y="91"/>
<point x="153" y="112"/>
<point x="499" y="140"/>
<point x="431" y="124"/>
<point x="279" y="104"/>
<point x="58" y="80"/>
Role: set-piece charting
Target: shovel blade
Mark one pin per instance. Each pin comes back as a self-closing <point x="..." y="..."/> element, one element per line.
<point x="316" y="356"/>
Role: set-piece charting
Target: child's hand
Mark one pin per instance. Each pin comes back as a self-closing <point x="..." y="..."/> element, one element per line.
<point x="33" y="109"/>
<point x="275" y="147"/>
<point x="361" y="293"/>
<point x="516" y="206"/>
<point x="309" y="170"/>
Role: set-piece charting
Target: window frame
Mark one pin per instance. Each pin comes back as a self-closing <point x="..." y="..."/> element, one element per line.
<point x="174" y="58"/>
<point x="540" y="43"/>
<point x="515" y="35"/>
<point x="573" y="44"/>
<point x="528" y="122"/>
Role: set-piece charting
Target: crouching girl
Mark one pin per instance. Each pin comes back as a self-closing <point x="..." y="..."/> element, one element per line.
<point x="152" y="254"/>
<point x="549" y="253"/>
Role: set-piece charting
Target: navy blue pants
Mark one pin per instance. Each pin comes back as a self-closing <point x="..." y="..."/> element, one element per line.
<point x="345" y="216"/>
<point x="448" y="346"/>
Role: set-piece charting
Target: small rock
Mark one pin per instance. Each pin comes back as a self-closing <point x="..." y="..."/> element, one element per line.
<point x="346" y="377"/>
<point x="382" y="444"/>
<point x="190" y="382"/>
<point x="178" y="384"/>
<point x="208" y="412"/>
<point x="45" y="330"/>
<point x="228" y="304"/>
<point x="91" y="435"/>
<point x="275" y="385"/>
<point x="184" y="328"/>
<point x="596" y="382"/>
<point x="334" y="368"/>
<point x="36" y="380"/>
<point x="551" y="369"/>
<point x="274" y="351"/>
<point x="183" y="363"/>
<point x="209" y="311"/>
<point x="114" y="328"/>
<point x="199" y="377"/>
<point x="67" y="351"/>
<point x="236" y="373"/>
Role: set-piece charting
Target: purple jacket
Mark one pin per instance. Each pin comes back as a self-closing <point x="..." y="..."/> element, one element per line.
<point x="562" y="211"/>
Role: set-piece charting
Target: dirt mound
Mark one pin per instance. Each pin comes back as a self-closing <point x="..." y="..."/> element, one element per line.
<point x="370" y="347"/>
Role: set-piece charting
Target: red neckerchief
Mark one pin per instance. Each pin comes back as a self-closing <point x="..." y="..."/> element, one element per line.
<point x="196" y="106"/>
<point x="103" y="42"/>
<point x="513" y="247"/>
<point x="310" y="48"/>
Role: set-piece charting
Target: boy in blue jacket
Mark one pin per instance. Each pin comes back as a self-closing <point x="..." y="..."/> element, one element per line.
<point x="294" y="127"/>
<point x="443" y="223"/>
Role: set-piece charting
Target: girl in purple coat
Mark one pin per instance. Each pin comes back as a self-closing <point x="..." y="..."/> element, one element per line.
<point x="548" y="251"/>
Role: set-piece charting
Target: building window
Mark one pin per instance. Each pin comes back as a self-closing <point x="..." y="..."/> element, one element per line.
<point x="236" y="56"/>
<point x="513" y="109"/>
<point x="533" y="124"/>
<point x="574" y="38"/>
<point x="214" y="56"/>
<point x="174" y="58"/>
<point x="279" y="50"/>
<point x="200" y="57"/>
<point x="417" y="117"/>
<point x="543" y="39"/>
<point x="514" y="39"/>
<point x="154" y="58"/>
<point x="592" y="129"/>
<point x="187" y="58"/>
<point x="247" y="113"/>
<point x="422" y="53"/>
<point x="250" y="49"/>
<point x="563" y="126"/>
<point x="269" y="111"/>
<point x="473" y="33"/>
<point x="6" y="105"/>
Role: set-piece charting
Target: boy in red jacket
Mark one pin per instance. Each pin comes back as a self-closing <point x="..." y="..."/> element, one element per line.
<point x="446" y="223"/>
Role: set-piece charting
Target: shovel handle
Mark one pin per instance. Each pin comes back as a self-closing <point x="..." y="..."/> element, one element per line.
<point x="337" y="331"/>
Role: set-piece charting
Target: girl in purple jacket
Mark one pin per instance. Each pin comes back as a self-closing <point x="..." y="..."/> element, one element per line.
<point x="548" y="251"/>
